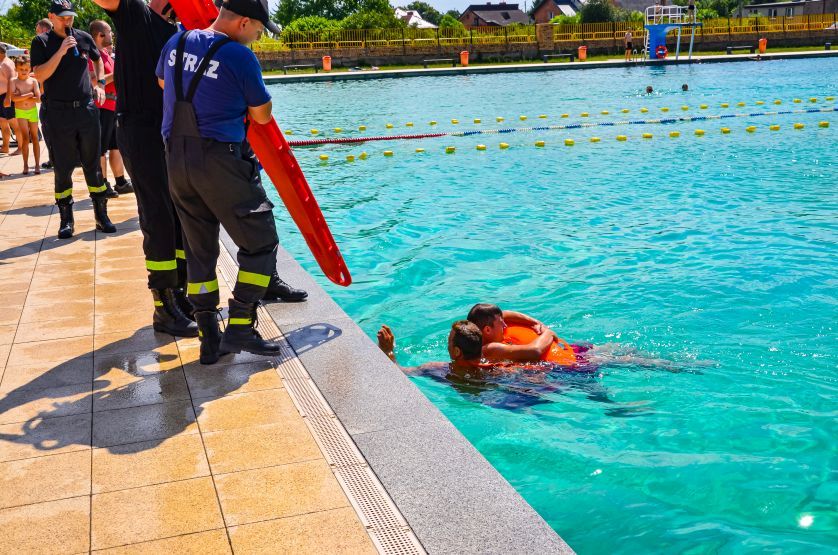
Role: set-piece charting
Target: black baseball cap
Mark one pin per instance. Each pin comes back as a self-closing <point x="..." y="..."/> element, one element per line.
<point x="254" y="9"/>
<point x="62" y="8"/>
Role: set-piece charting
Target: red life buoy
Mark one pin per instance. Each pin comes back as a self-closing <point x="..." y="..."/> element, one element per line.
<point x="661" y="52"/>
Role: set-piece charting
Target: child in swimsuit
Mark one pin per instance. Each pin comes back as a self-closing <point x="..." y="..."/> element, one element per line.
<point x="26" y="93"/>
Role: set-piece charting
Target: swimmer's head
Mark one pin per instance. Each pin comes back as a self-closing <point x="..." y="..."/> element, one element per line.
<point x="684" y="87"/>
<point x="649" y="89"/>
<point x="465" y="342"/>
<point x="489" y="319"/>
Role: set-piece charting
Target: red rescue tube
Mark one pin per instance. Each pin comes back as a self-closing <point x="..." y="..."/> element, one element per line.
<point x="282" y="168"/>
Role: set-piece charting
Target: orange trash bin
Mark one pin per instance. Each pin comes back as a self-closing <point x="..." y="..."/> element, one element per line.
<point x="327" y="63"/>
<point x="583" y="53"/>
<point x="464" y="58"/>
<point x="763" y="45"/>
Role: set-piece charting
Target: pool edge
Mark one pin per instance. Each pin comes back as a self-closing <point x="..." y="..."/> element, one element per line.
<point x="534" y="67"/>
<point x="450" y="495"/>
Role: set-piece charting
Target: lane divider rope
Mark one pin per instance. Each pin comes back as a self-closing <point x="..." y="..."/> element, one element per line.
<point x="350" y="140"/>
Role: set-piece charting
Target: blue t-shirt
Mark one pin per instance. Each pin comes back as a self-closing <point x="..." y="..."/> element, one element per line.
<point x="231" y="83"/>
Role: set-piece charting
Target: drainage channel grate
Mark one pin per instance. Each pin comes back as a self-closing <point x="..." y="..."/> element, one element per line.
<point x="384" y="523"/>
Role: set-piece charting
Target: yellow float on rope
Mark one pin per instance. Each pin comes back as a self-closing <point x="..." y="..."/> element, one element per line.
<point x="664" y="109"/>
<point x="481" y="147"/>
<point x="699" y="132"/>
<point x="388" y="153"/>
<point x="644" y="110"/>
<point x="389" y="126"/>
<point x="583" y="114"/>
<point x="830" y="98"/>
<point x="539" y="143"/>
<point x="338" y="130"/>
<point x="624" y="111"/>
<point x="363" y="156"/>
<point x="703" y="106"/>
<point x="725" y="104"/>
<point x="647" y="135"/>
<point x="750" y="128"/>
<point x="409" y="124"/>
<point x="759" y="102"/>
<point x="289" y="132"/>
<point x="595" y="139"/>
<point x="774" y="127"/>
<point x="813" y="99"/>
<point x="823" y="124"/>
<point x="503" y="145"/>
<point x="797" y="101"/>
<point x="432" y="122"/>
<point x="685" y="108"/>
<point x="350" y="158"/>
<point x="725" y="130"/>
<point x="499" y="119"/>
<point x="674" y="134"/>
<point x="778" y="101"/>
<point x="477" y="120"/>
<point x="565" y="115"/>
<point x="420" y="150"/>
<point x="542" y="116"/>
<point x="324" y="157"/>
<point x="605" y="112"/>
<point x="569" y="142"/>
<point x="740" y="104"/>
<point x="315" y="131"/>
<point x="362" y="128"/>
<point x="522" y="118"/>
<point x="622" y="138"/>
<point x="799" y="126"/>
<point x="450" y="150"/>
<point x="455" y="121"/>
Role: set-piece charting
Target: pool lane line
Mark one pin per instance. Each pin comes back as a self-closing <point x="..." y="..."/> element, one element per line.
<point x="654" y="121"/>
<point x="477" y="121"/>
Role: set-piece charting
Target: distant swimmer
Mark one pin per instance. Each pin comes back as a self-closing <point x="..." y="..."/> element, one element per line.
<point x="685" y="87"/>
<point x="649" y="89"/>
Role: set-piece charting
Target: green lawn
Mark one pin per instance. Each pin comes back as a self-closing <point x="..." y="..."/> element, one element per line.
<point x="596" y="58"/>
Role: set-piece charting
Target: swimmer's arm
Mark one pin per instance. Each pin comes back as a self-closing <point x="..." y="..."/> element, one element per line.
<point x="530" y="352"/>
<point x="520" y="319"/>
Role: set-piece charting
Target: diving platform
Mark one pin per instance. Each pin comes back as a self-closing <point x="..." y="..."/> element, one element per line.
<point x="659" y="21"/>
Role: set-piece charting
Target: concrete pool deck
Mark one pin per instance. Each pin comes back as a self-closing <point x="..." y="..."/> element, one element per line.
<point x="536" y="66"/>
<point x="113" y="437"/>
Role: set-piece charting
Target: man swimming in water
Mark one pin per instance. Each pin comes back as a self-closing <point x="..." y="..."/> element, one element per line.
<point x="492" y="322"/>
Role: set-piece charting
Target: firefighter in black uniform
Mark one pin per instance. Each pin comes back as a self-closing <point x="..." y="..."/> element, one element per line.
<point x="142" y="31"/>
<point x="71" y="119"/>
<point x="211" y="82"/>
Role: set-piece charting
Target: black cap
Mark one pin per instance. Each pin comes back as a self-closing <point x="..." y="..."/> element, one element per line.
<point x="62" y="8"/>
<point x="254" y="9"/>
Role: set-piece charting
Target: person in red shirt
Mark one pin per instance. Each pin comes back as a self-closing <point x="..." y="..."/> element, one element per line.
<point x="103" y="36"/>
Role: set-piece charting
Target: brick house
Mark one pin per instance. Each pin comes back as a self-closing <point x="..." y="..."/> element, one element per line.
<point x="501" y="14"/>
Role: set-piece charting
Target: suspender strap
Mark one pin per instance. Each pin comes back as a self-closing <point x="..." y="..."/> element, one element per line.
<point x="179" y="66"/>
<point x="202" y="67"/>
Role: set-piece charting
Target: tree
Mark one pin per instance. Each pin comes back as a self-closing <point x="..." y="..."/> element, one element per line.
<point x="367" y="19"/>
<point x="566" y="19"/>
<point x="26" y="13"/>
<point x="597" y="11"/>
<point x="310" y="24"/>
<point x="428" y="12"/>
<point x="449" y="22"/>
<point x="453" y="13"/>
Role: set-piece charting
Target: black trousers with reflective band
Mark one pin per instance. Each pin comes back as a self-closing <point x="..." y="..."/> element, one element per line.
<point x="144" y="154"/>
<point x="216" y="183"/>
<point x="73" y="135"/>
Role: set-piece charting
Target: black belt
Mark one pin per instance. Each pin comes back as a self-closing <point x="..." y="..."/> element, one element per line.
<point x="71" y="104"/>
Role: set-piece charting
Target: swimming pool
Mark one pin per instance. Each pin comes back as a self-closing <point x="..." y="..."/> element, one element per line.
<point x="718" y="247"/>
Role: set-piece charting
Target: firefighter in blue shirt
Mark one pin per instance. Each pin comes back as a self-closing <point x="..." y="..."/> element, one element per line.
<point x="211" y="81"/>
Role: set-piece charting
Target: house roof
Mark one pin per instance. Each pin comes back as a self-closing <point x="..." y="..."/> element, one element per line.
<point x="773" y="4"/>
<point x="505" y="17"/>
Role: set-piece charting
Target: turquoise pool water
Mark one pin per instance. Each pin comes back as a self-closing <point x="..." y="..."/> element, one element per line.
<point x="721" y="248"/>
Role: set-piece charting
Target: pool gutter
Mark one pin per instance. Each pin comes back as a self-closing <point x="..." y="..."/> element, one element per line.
<point x="518" y="68"/>
<point x="453" y="500"/>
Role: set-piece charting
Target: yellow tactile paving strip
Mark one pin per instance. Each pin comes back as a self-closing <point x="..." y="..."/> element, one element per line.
<point x="114" y="438"/>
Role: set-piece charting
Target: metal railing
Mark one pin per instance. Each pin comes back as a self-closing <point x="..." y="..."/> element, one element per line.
<point x="410" y="40"/>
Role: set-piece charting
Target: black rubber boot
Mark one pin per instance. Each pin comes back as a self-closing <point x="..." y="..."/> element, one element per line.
<point x="184" y="303"/>
<point x="109" y="192"/>
<point x="241" y="335"/>
<point x="168" y="317"/>
<point x="100" y="211"/>
<point x="68" y="224"/>
<point x="279" y="290"/>
<point x="210" y="334"/>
